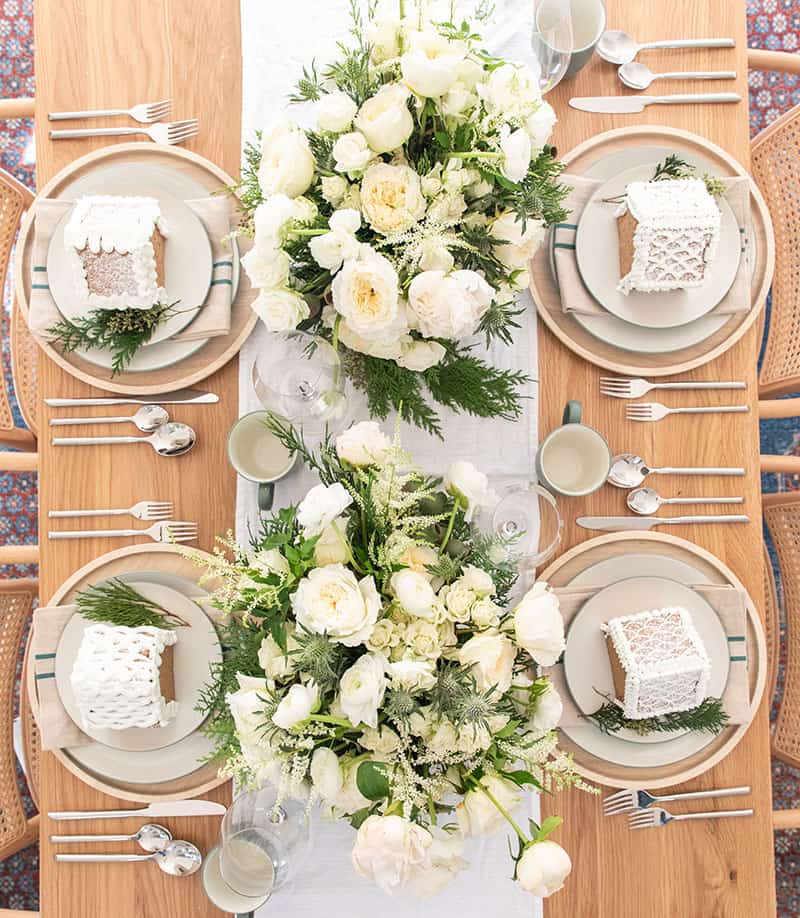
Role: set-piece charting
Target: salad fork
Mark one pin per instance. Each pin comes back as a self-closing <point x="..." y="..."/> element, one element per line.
<point x="619" y="387"/>
<point x="144" y="510"/>
<point x="167" y="531"/>
<point x="144" y="113"/>
<point x="655" y="411"/>
<point x="169" y="132"/>
<point x="626" y="800"/>
<point x="656" y="816"/>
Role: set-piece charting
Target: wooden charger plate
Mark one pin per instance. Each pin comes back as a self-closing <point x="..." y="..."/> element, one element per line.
<point x="578" y="339"/>
<point x="570" y="564"/>
<point x="164" y="558"/>
<point x="203" y="362"/>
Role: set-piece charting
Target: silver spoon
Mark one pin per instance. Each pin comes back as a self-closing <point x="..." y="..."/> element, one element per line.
<point x="629" y="471"/>
<point x="647" y="501"/>
<point x="151" y="837"/>
<point x="639" y="76"/>
<point x="171" y="439"/>
<point x="178" y="859"/>
<point x="148" y="418"/>
<point x="617" y="47"/>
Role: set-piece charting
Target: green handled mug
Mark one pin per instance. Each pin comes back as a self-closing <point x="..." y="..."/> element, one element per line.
<point x="258" y="455"/>
<point x="573" y="460"/>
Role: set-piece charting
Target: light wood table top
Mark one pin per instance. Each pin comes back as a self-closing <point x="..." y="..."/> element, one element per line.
<point x="93" y="54"/>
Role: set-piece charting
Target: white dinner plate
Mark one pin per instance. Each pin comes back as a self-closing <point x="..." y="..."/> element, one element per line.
<point x="587" y="667"/>
<point x="597" y="252"/>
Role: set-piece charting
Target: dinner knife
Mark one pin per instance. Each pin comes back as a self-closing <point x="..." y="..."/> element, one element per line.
<point x="182" y="397"/>
<point x="164" y="808"/>
<point x="625" y="523"/>
<point x="613" y="105"/>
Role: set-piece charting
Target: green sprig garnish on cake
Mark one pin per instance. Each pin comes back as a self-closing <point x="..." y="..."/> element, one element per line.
<point x="117" y="603"/>
<point x="674" y="167"/>
<point x="708" y="717"/>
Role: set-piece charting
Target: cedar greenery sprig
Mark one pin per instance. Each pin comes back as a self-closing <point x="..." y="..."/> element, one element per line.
<point x="708" y="717"/>
<point x="118" y="603"/>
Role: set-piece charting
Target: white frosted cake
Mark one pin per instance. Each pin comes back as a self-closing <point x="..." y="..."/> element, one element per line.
<point x="658" y="661"/>
<point x="116" y="248"/>
<point x="668" y="232"/>
<point x="123" y="677"/>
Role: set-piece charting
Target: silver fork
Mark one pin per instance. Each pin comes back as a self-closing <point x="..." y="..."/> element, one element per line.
<point x="656" y="816"/>
<point x="169" y="531"/>
<point x="629" y="799"/>
<point x="655" y="411"/>
<point x="168" y="133"/>
<point x="618" y="387"/>
<point x="144" y="113"/>
<point x="144" y="510"/>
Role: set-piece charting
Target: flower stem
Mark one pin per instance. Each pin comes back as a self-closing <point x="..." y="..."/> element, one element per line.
<point x="450" y="524"/>
<point x="319" y="231"/>
<point x="520" y="834"/>
<point x="476" y="154"/>
<point x="346" y="545"/>
<point x="335" y="340"/>
<point x="329" y="719"/>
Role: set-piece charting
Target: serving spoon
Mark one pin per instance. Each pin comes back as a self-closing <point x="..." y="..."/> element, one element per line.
<point x="151" y="837"/>
<point x="639" y="76"/>
<point x="646" y="501"/>
<point x="178" y="859"/>
<point x="629" y="471"/>
<point x="617" y="47"/>
<point x="148" y="418"/>
<point x="171" y="439"/>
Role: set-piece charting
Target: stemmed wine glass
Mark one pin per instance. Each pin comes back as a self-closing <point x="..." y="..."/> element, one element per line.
<point x="552" y="40"/>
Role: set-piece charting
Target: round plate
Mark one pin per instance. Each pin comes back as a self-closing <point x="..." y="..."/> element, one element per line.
<point x="597" y="252"/>
<point x="196" y="649"/>
<point x="587" y="668"/>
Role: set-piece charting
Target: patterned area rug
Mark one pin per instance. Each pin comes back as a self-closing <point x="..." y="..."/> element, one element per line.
<point x="772" y="24"/>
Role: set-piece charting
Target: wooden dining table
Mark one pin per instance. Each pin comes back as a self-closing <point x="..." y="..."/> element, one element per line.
<point x="99" y="54"/>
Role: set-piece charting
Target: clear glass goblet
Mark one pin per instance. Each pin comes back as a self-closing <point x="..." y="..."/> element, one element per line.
<point x="552" y="40"/>
<point x="528" y="514"/>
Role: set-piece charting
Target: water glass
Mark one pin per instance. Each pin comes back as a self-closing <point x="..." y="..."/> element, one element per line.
<point x="528" y="514"/>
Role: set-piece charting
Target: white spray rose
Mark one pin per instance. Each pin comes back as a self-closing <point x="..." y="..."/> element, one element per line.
<point x="423" y="640"/>
<point x="476" y="813"/>
<point x="334" y="189"/>
<point x="443" y="862"/>
<point x="477" y="580"/>
<point x="414" y="593"/>
<point x="275" y="663"/>
<point x="457" y="100"/>
<point x="351" y="153"/>
<point x="326" y="776"/>
<point x="516" y="149"/>
<point x="419" y="355"/>
<point x="540" y="124"/>
<point x="414" y="675"/>
<point x="287" y="163"/>
<point x="549" y="709"/>
<point x="332" y="547"/>
<point x="335" y="112"/>
<point x="391" y="197"/>
<point x="266" y="266"/>
<point x="387" y="848"/>
<point x="543" y="868"/>
<point x="458" y="601"/>
<point x="470" y="485"/>
<point x="384" y="119"/>
<point x="297" y="704"/>
<point x="305" y="210"/>
<point x="430" y="65"/>
<point x="331" y="249"/>
<point x="485" y="614"/>
<point x="385" y="635"/>
<point x="383" y="740"/>
<point x="361" y="690"/>
<point x="321" y="506"/>
<point x="268" y="561"/>
<point x="517" y="245"/>
<point x="366" y="293"/>
<point x="448" y="305"/>
<point x="538" y="625"/>
<point x="491" y="658"/>
<point x="280" y="309"/>
<point x="329" y="600"/>
<point x="363" y="444"/>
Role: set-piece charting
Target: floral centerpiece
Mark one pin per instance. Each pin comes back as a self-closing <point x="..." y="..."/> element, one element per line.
<point x="373" y="663"/>
<point x="401" y="227"/>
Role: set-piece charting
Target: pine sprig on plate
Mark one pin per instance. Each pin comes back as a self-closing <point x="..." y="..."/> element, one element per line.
<point x="708" y="717"/>
<point x="118" y="603"/>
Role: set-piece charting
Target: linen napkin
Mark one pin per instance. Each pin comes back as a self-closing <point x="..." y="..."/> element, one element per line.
<point x="42" y="310"/>
<point x="727" y="602"/>
<point x="56" y="727"/>
<point x="576" y="298"/>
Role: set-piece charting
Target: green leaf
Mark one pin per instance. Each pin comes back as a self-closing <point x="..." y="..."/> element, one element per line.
<point x="549" y="825"/>
<point x="521" y="778"/>
<point x="372" y="781"/>
<point x="359" y="816"/>
<point x="508" y="730"/>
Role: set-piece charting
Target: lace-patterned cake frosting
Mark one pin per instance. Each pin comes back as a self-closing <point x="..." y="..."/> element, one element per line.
<point x="665" y="665"/>
<point x="676" y="235"/>
<point x="115" y="245"/>
<point x="117" y="680"/>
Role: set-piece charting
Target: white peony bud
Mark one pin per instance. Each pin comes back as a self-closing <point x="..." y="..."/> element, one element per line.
<point x="538" y="625"/>
<point x="543" y="868"/>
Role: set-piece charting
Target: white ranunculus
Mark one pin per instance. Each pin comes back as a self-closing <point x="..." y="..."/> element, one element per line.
<point x="326" y="775"/>
<point x="351" y="153"/>
<point x="414" y="593"/>
<point x="361" y="689"/>
<point x="457" y="100"/>
<point x="477" y="580"/>
<point x="297" y="704"/>
<point x="516" y="149"/>
<point x="331" y="547"/>
<point x="246" y="705"/>
<point x="414" y="675"/>
<point x="430" y="66"/>
<point x="443" y="862"/>
<point x="391" y="197"/>
<point x="268" y="561"/>
<point x="383" y="35"/>
<point x="491" y="658"/>
<point x="543" y="868"/>
<point x="384" y="119"/>
<point x="485" y="614"/>
<point x="476" y="813"/>
<point x="270" y="219"/>
<point x="517" y="245"/>
<point x="388" y="346"/>
<point x="280" y="309"/>
<point x="266" y="266"/>
<point x="383" y="740"/>
<point x="363" y="444"/>
<point x="329" y="600"/>
<point x="287" y="163"/>
<point x="420" y="355"/>
<point x="334" y="189"/>
<point x="387" y="849"/>
<point x="321" y="506"/>
<point x="275" y="663"/>
<point x="366" y="293"/>
<point x="331" y="249"/>
<point x="549" y="709"/>
<point x="448" y="305"/>
<point x="335" y="112"/>
<point x="538" y="625"/>
<point x="510" y="91"/>
<point x="540" y="124"/>
<point x="305" y="210"/>
<point x="470" y="485"/>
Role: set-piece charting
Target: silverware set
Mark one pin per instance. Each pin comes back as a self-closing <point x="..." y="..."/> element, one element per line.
<point x="146" y="113"/>
<point x="619" y="387"/>
<point x="637" y="805"/>
<point x="143" y="510"/>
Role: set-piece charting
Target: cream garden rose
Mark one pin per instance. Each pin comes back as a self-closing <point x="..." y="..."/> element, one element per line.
<point x="366" y="293"/>
<point x="538" y="625"/>
<point x="384" y="119"/>
<point x="363" y="444"/>
<point x="518" y="244"/>
<point x="443" y="862"/>
<point x="419" y="355"/>
<point x="287" y="163"/>
<point x="391" y="197"/>
<point x="330" y="600"/>
<point x="448" y="305"/>
<point x="361" y="690"/>
<point x="387" y="849"/>
<point x="414" y="675"/>
<point x="266" y="266"/>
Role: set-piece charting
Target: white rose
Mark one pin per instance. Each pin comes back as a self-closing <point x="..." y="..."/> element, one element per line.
<point x="443" y="862"/>
<point x="247" y="705"/>
<point x="351" y="153"/>
<point x="384" y="636"/>
<point x="419" y="355"/>
<point x="469" y="484"/>
<point x="387" y="848"/>
<point x="383" y="36"/>
<point x="270" y="219"/>
<point x="476" y="813"/>
<point x="305" y="210"/>
<point x="268" y="561"/>
<point x="326" y="775"/>
<point x="280" y="309"/>
<point x="297" y="704"/>
<point x="361" y="690"/>
<point x="540" y="124"/>
<point x="517" y="245"/>
<point x="266" y="266"/>
<point x="321" y="506"/>
<point x="414" y="675"/>
<point x="385" y="119"/>
<point x="391" y="197"/>
<point x="331" y="249"/>
<point x="458" y="601"/>
<point x="430" y="65"/>
<point x="329" y="600"/>
<point x="485" y="614"/>
<point x="275" y="663"/>
<point x="414" y="592"/>
<point x="363" y="444"/>
<point x="334" y="189"/>
<point x="516" y="149"/>
<point x="331" y="547"/>
<point x="335" y="112"/>
<point x="448" y="305"/>
<point x="477" y="580"/>
<point x="549" y="709"/>
<point x="366" y="293"/>
<point x="287" y="163"/>
<point x="383" y="740"/>
<point x="491" y="658"/>
<point x="543" y="868"/>
<point x="431" y="183"/>
<point x="457" y="101"/>
<point x="423" y="640"/>
<point x="538" y="625"/>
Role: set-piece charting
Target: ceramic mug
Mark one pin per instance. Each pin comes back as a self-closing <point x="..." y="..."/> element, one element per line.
<point x="258" y="455"/>
<point x="573" y="460"/>
<point x="588" y="24"/>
